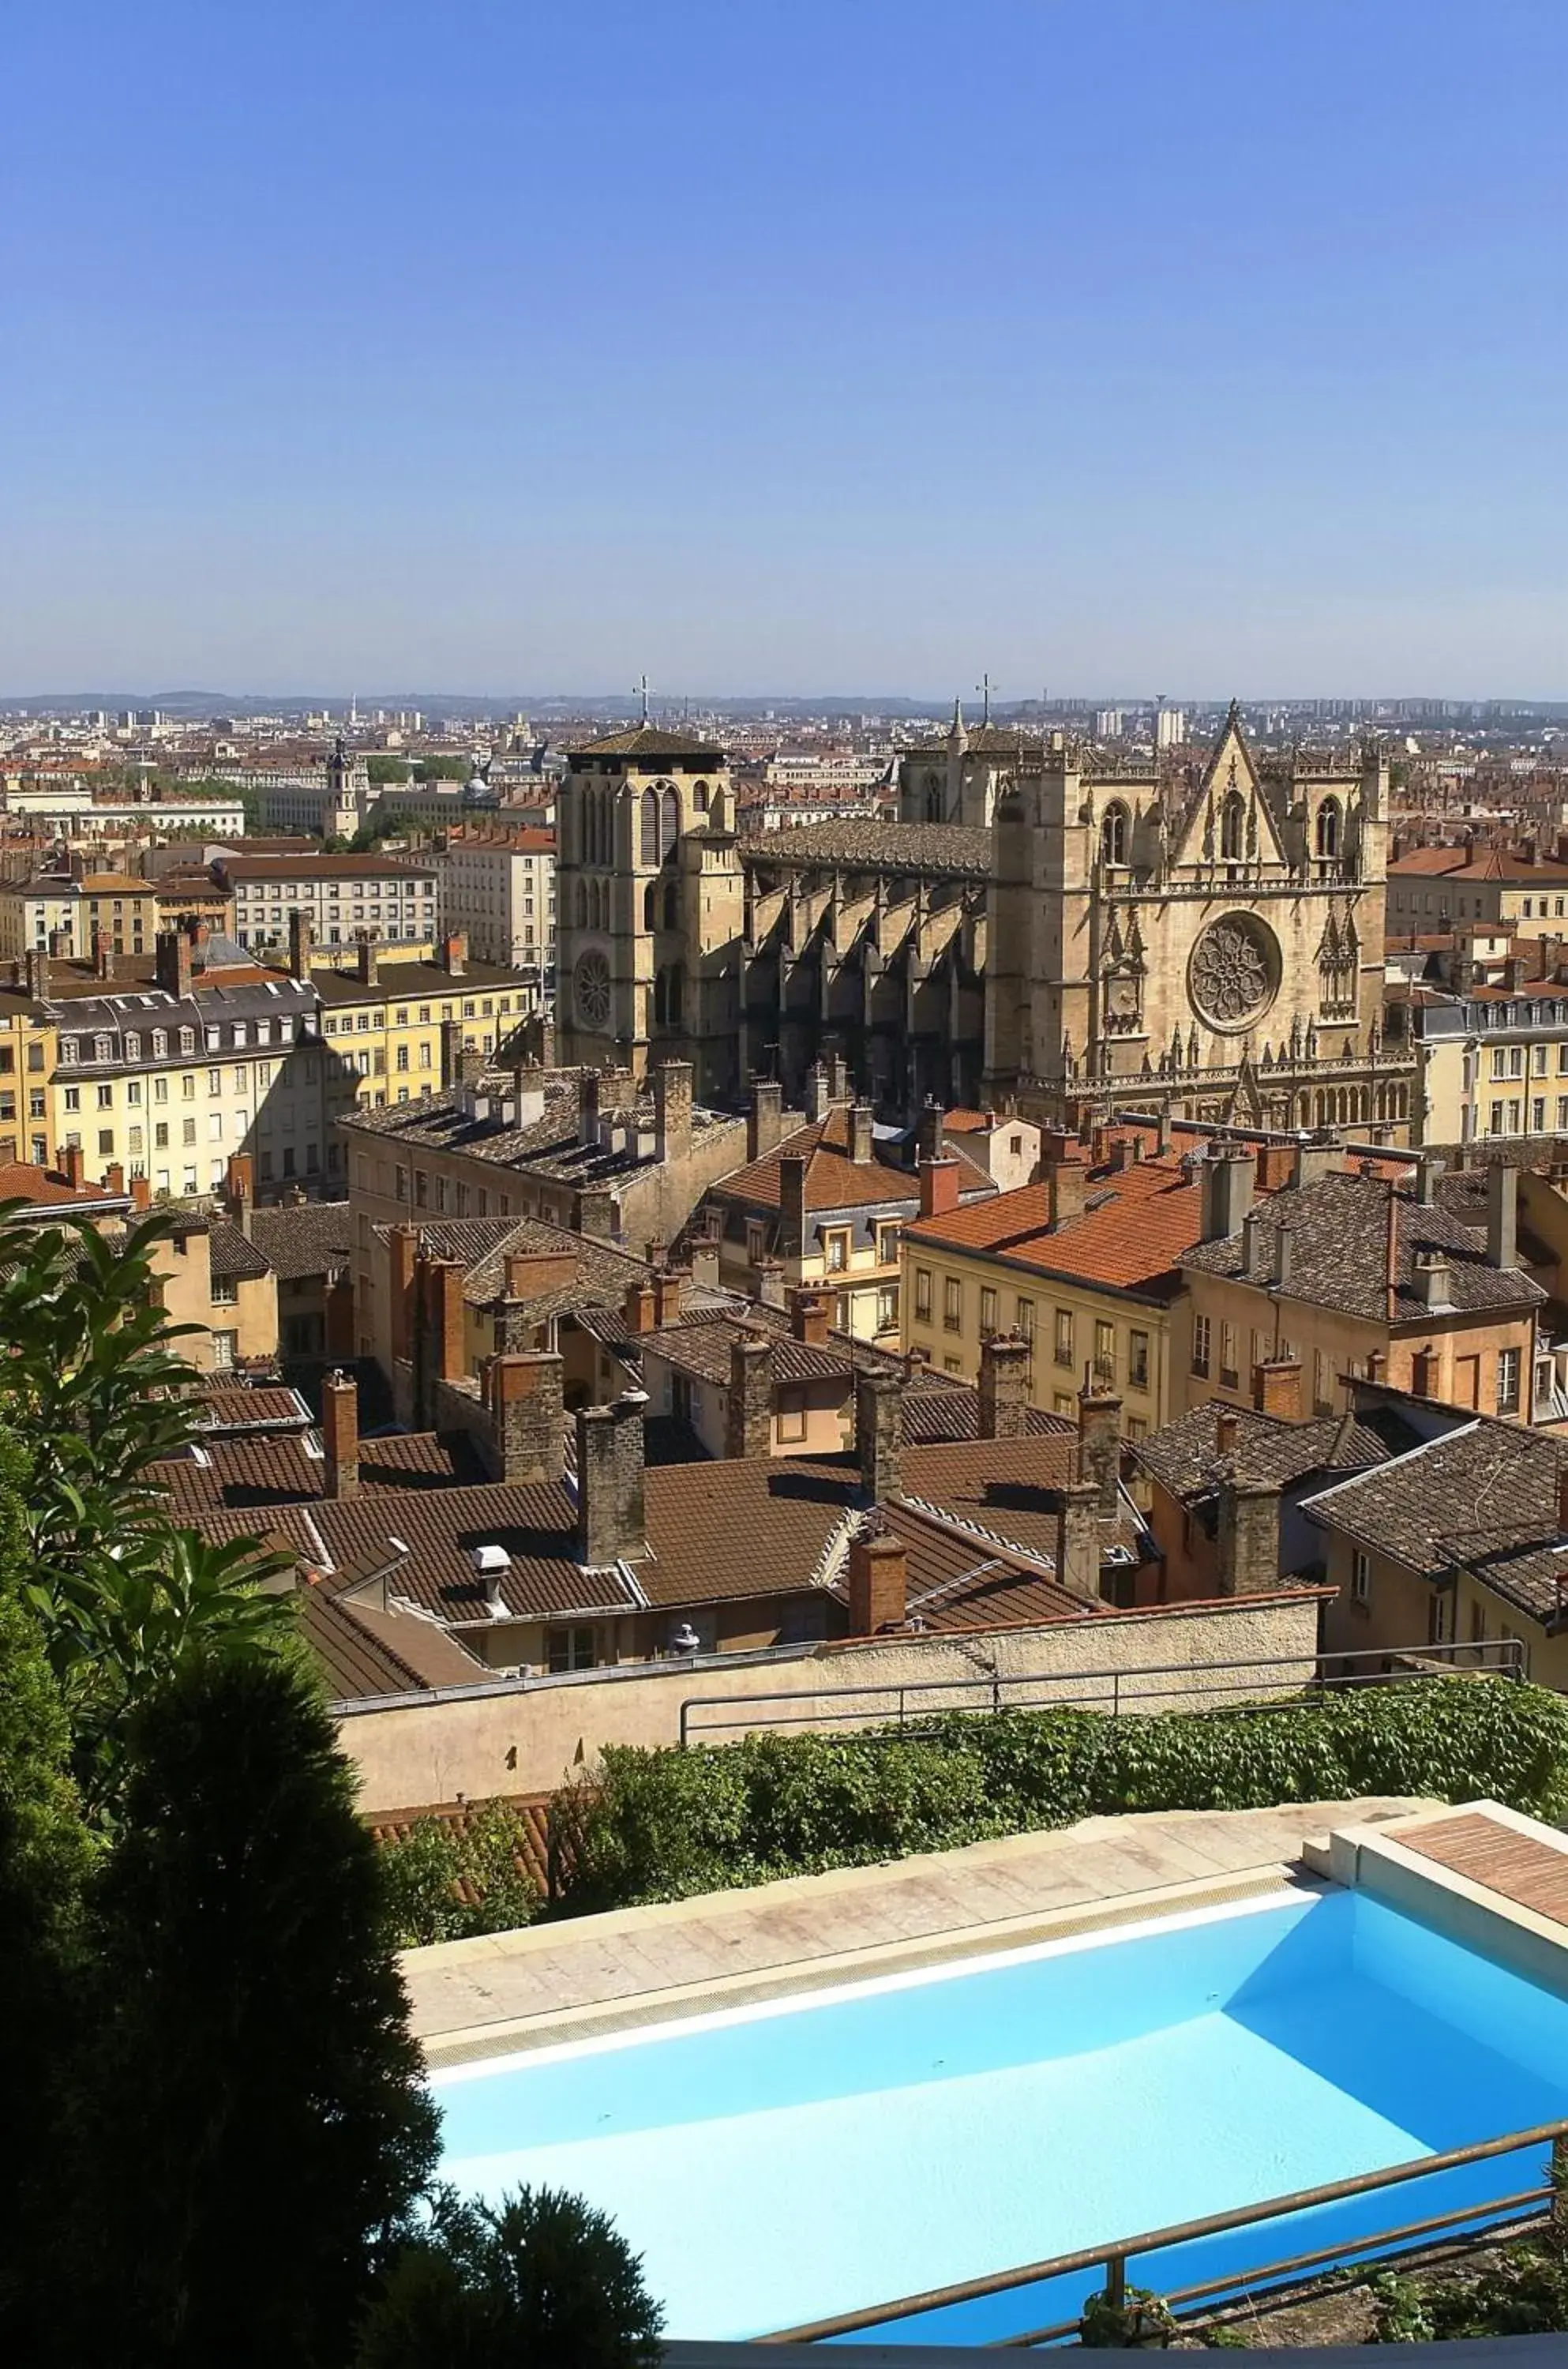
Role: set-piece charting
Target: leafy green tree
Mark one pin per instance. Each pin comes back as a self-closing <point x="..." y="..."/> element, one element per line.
<point x="381" y="770"/>
<point x="251" y="2124"/>
<point x="540" y="2280"/>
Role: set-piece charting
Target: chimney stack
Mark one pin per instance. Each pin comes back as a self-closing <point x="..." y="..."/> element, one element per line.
<point x="73" y="1166"/>
<point x="340" y="1434"/>
<point x="1064" y="1195"/>
<point x="1249" y="1537"/>
<point x="300" y="934"/>
<point x="817" y="1091"/>
<point x="611" y="1521"/>
<point x="1502" y="1215"/>
<point x="454" y="952"/>
<point x="1277" y="1388"/>
<point x="103" y="962"/>
<point x="172" y="963"/>
<point x="810" y="1313"/>
<point x="526" y="1418"/>
<point x="764" y="1121"/>
<point x="1225" y="1430"/>
<point x="1078" y="1541"/>
<point x="672" y="1110"/>
<point x="1004" y="1387"/>
<point x="669" y="1291"/>
<point x="860" y="1133"/>
<point x="879" y="1582"/>
<point x="879" y="1434"/>
<point x="749" y="1408"/>
<point x="792" y="1206"/>
<point x="1228" y="1182"/>
<point x="588" y="1107"/>
<point x="1099" y="1448"/>
<point x="638" y="1308"/>
<point x="939" y="1187"/>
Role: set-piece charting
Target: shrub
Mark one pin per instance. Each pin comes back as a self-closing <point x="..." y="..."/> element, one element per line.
<point x="445" y="1881"/>
<point x="658" y="1824"/>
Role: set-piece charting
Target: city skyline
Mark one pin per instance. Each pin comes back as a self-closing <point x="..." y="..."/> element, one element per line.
<point x="1106" y="344"/>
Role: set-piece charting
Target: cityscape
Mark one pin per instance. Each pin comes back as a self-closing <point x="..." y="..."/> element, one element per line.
<point x="783" y="1473"/>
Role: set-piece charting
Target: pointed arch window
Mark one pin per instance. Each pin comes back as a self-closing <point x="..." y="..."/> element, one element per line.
<point x="1114" y="834"/>
<point x="649" y="849"/>
<point x="650" y="905"/>
<point x="668" y="823"/>
<point x="1328" y="830"/>
<point x="1232" y="829"/>
<point x="699" y="798"/>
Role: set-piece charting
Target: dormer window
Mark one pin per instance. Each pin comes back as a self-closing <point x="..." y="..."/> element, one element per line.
<point x="187" y="1040"/>
<point x="160" y="1043"/>
<point x="68" y="1051"/>
<point x="103" y="1048"/>
<point x="132" y="1046"/>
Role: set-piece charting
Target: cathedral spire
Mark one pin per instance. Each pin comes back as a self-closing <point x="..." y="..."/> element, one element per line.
<point x="956" y="731"/>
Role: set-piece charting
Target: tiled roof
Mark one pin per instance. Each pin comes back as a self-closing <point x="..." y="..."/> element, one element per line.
<point x="393" y="978"/>
<point x="289" y="1467"/>
<point x="235" y="1259"/>
<point x="936" y="1414"/>
<point x="1482" y="864"/>
<point x="703" y="1352"/>
<point x="1135" y="1227"/>
<point x="943" y="850"/>
<point x="833" y="1180"/>
<point x="1005" y="1490"/>
<point x="45" y="1190"/>
<point x="313" y="865"/>
<point x="225" y="1406"/>
<point x="427" y="1537"/>
<point x="750" y="1526"/>
<point x="647" y="740"/>
<point x="1339" y="1251"/>
<point x="1185" y="1457"/>
<point x="482" y="1246"/>
<point x="1484" y="1495"/>
<point x="313" y="1239"/>
<point x="957" y="1583"/>
<point x="365" y="1652"/>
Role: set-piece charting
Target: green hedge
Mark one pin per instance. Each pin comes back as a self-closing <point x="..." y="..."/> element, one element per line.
<point x="443" y="1881"/>
<point x="655" y="1824"/>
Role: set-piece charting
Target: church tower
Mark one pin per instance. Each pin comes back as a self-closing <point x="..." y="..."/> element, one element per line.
<point x="649" y="907"/>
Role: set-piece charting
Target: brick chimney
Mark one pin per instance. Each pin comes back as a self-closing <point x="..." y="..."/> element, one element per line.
<point x="340" y="1434"/>
<point x="588" y="1107"/>
<point x="74" y="1165"/>
<point x="172" y="963"/>
<point x="451" y="1051"/>
<point x="1064" y="1189"/>
<point x="860" y="1133"/>
<point x="939" y="1187"/>
<point x="300" y="935"/>
<point x="454" y="952"/>
<point x="879" y="1434"/>
<point x="1100" y="1446"/>
<point x="771" y="1291"/>
<point x="1502" y="1215"/>
<point x="103" y="956"/>
<point x="878" y="1579"/>
<point x="1228" y="1182"/>
<point x="764" y="1120"/>
<point x="402" y="1250"/>
<point x="1277" y="1388"/>
<point x="1004" y="1387"/>
<point x="114" y="1178"/>
<point x="596" y="1212"/>
<point x="810" y="1312"/>
<point x="1248" y="1537"/>
<point x="1226" y="1428"/>
<point x="817" y="1091"/>
<point x="611" y="1521"/>
<point x="669" y="1292"/>
<point x="672" y="1110"/>
<point x="447" y="1318"/>
<point x="638" y="1308"/>
<point x="792" y="1206"/>
<point x="749" y="1408"/>
<point x="1078" y="1540"/>
<point x="524" y="1391"/>
<point x="141" y="1192"/>
<point x="365" y="958"/>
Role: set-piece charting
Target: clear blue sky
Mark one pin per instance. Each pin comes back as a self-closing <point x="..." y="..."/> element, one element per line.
<point x="789" y="345"/>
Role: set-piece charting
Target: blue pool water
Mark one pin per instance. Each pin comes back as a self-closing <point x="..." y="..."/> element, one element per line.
<point x="781" y="2164"/>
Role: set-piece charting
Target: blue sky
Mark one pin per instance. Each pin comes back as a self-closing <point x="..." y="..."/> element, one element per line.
<point x="785" y="345"/>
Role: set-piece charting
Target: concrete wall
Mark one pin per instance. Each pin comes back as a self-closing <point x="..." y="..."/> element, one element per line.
<point x="527" y="1737"/>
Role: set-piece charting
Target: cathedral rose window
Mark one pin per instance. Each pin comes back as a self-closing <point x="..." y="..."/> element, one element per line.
<point x="590" y="985"/>
<point x="1235" y="970"/>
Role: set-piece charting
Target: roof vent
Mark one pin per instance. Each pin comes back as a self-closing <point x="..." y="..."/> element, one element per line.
<point x="486" y="1558"/>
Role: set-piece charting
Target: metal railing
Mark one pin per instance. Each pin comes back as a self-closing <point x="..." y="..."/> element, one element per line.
<point x="916" y="1702"/>
<point x="1111" y="2259"/>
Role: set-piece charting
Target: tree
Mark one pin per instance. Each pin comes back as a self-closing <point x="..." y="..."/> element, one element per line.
<point x="251" y="2126"/>
<point x="540" y="2280"/>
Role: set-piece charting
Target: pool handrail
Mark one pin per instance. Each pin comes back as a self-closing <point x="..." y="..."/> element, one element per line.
<point x="1114" y="2256"/>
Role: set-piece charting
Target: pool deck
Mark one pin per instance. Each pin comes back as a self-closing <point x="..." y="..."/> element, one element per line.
<point x="569" y="1980"/>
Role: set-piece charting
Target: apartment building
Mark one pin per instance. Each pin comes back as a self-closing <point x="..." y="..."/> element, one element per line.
<point x="1359" y="1274"/>
<point x="344" y="897"/>
<point x="499" y="884"/>
<point x="71" y="915"/>
<point x="1429" y="888"/>
<point x="328" y="801"/>
<point x="169" y="1070"/>
<point x="1493" y="1061"/>
<point x="408" y="1019"/>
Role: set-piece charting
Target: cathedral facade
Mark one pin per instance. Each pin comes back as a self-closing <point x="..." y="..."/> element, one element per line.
<point x="1061" y="941"/>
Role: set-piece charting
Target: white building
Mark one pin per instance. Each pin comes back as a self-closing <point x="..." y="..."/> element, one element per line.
<point x="344" y="897"/>
<point x="1109" y="724"/>
<point x="499" y="886"/>
<point x="329" y="800"/>
<point x="1171" y="727"/>
<point x="71" y="811"/>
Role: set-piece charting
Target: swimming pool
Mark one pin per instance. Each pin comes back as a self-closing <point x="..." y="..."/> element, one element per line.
<point x="781" y="2163"/>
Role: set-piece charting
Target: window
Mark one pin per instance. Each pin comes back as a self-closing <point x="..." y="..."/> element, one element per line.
<point x="1538" y="1061"/>
<point x="756" y="1240"/>
<point x="792" y="1417"/>
<point x="226" y="1348"/>
<point x="1328" y="828"/>
<point x="1494" y="1119"/>
<point x="1200" y="1345"/>
<point x="1515" y="1060"/>
<point x="1105" y="1352"/>
<point x="836" y="1249"/>
<point x="1112" y="835"/>
<point x="923" y="1295"/>
<point x="951" y="1304"/>
<point x="1322" y="1383"/>
<point x="1137" y="1361"/>
<point x="887" y="1231"/>
<point x="1229" y="1372"/>
<point x="72" y="1098"/>
<point x="1023" y="1318"/>
<point x="225" y="1291"/>
<point x="1063" y="1343"/>
<point x="887" y="1308"/>
<point x="1232" y="826"/>
<point x="988" y="1311"/>
<point x="106" y="1143"/>
<point x="106" y="1098"/>
<point x="1508" y="1381"/>
<point x="1360" y="1577"/>
<point x="1538" y="1115"/>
